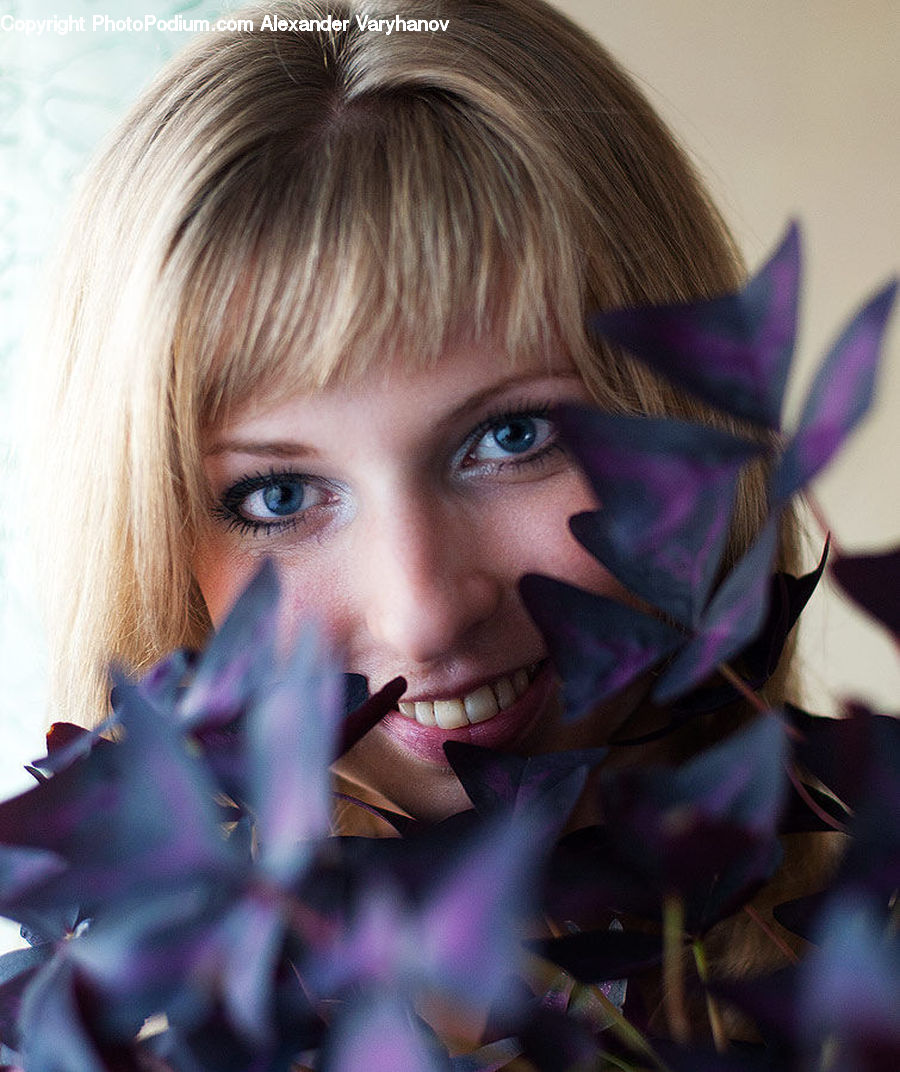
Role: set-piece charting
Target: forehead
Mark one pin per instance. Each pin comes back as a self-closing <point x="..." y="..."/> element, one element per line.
<point x="394" y="393"/>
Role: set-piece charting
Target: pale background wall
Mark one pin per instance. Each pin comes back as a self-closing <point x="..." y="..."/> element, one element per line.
<point x="792" y="108"/>
<point x="789" y="106"/>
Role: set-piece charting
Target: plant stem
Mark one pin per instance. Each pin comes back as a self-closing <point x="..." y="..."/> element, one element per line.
<point x="894" y="918"/>
<point x="771" y="935"/>
<point x="627" y="1032"/>
<point x="742" y="687"/>
<point x="807" y="799"/>
<point x="822" y="522"/>
<point x="720" y="1039"/>
<point x="673" y="969"/>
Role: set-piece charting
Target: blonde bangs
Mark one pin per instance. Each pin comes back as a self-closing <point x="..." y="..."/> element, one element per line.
<point x="401" y="229"/>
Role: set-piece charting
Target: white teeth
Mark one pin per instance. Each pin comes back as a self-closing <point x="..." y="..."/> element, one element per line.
<point x="505" y="691"/>
<point x="475" y="707"/>
<point x="481" y="704"/>
<point x="449" y="714"/>
<point x="420" y="712"/>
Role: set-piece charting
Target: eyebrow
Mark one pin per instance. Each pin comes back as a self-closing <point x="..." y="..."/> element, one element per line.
<point x="288" y="448"/>
<point x="271" y="448"/>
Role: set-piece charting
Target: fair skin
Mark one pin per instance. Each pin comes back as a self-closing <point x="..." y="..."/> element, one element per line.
<point x="401" y="512"/>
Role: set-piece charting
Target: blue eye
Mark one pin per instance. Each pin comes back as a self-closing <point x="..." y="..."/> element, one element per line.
<point x="515" y="436"/>
<point x="271" y="500"/>
<point x="282" y="499"/>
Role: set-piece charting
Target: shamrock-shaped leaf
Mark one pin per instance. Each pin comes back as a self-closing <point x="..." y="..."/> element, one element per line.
<point x="459" y="938"/>
<point x="788" y="595"/>
<point x="380" y="1033"/>
<point x="666" y="490"/>
<point x="598" y="645"/>
<point x="873" y="581"/>
<point x="734" y="351"/>
<point x="839" y="398"/>
<point x="602" y="955"/>
<point x="730" y="622"/>
<point x="238" y="657"/>
<point x="706" y="830"/>
<point x="497" y="781"/>
<point x="292" y="732"/>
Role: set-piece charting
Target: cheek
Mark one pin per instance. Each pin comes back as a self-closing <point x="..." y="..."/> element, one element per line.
<point x="220" y="575"/>
<point x="541" y="541"/>
<point x="308" y="589"/>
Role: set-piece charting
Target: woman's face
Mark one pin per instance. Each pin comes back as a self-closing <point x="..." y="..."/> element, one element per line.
<point x="401" y="512"/>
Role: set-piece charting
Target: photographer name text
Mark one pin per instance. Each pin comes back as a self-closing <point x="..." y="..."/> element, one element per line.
<point x="61" y="25"/>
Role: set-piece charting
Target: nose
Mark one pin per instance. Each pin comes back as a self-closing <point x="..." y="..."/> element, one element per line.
<point x="432" y="579"/>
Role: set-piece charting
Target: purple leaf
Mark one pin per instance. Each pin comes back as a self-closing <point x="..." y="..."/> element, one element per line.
<point x="459" y="936"/>
<point x="599" y="956"/>
<point x="489" y="1058"/>
<point x="732" y="620"/>
<point x="238" y="657"/>
<point x="788" y="595"/>
<point x="369" y="713"/>
<point x="849" y="988"/>
<point x="146" y="955"/>
<point x="54" y="1035"/>
<point x="252" y="935"/>
<point x="495" y="781"/>
<point x="853" y="756"/>
<point x="23" y="868"/>
<point x="708" y="829"/>
<point x="17" y="969"/>
<point x="470" y="925"/>
<point x="733" y="352"/>
<point x="166" y="816"/>
<point x="292" y="734"/>
<point x="66" y="742"/>
<point x="597" y="645"/>
<point x="127" y="814"/>
<point x="379" y="1033"/>
<point x="666" y="490"/>
<point x="839" y="397"/>
<point x="873" y="582"/>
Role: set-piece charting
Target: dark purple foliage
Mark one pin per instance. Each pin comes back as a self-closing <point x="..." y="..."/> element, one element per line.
<point x="597" y="644"/>
<point x="666" y="491"/>
<point x="839" y="397"/>
<point x="189" y="910"/>
<point x="873" y="581"/>
<point x="497" y="781"/>
<point x="735" y="351"/>
<point x="379" y="1033"/>
<point x="842" y="1003"/>
<point x="598" y="956"/>
<point x="729" y="624"/>
<point x="788" y="595"/>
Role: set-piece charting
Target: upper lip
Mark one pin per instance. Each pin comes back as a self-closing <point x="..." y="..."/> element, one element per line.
<point x="455" y="690"/>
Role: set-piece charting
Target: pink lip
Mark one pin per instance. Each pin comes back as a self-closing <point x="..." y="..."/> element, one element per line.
<point x="427" y="742"/>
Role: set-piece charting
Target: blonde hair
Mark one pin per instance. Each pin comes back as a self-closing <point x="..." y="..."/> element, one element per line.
<point x="280" y="208"/>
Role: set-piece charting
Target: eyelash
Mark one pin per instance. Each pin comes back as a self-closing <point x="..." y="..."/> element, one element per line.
<point x="496" y="420"/>
<point x="228" y="508"/>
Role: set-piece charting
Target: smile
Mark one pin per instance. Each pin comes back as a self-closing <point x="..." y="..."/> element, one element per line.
<point x="503" y="712"/>
<point x="477" y="706"/>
